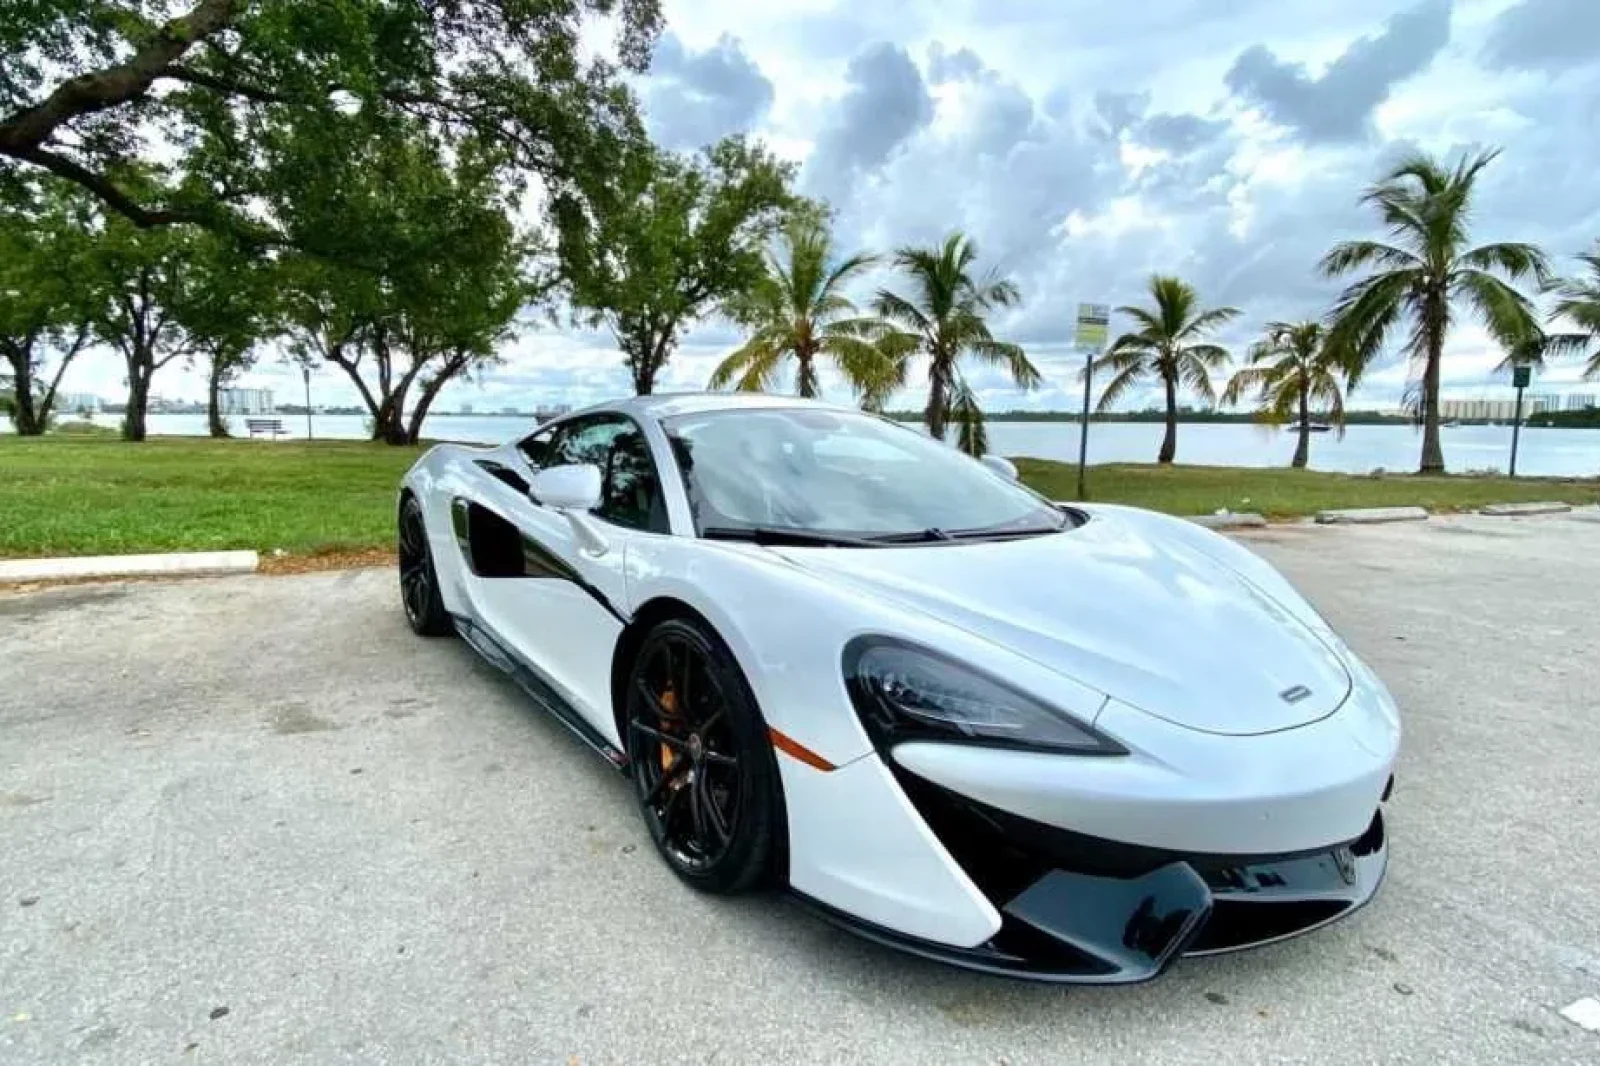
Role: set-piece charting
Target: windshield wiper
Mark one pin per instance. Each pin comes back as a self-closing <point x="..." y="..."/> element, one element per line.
<point x="916" y="536"/>
<point x="1003" y="534"/>
<point x="794" y="538"/>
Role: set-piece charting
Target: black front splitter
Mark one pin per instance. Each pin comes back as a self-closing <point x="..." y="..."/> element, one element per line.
<point x="1076" y="928"/>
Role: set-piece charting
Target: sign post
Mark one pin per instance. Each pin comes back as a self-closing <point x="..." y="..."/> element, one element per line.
<point x="305" y="372"/>
<point x="1094" y="321"/>
<point x="1520" y="377"/>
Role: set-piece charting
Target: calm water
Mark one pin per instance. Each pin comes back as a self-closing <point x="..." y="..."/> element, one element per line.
<point x="1543" y="451"/>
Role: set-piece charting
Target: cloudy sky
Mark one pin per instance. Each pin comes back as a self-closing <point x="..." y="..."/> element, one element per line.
<point x="1085" y="144"/>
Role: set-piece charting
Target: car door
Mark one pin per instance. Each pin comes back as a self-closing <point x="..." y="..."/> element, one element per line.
<point x="562" y="613"/>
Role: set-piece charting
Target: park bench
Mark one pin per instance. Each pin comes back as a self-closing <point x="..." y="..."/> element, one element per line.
<point x="263" y="426"/>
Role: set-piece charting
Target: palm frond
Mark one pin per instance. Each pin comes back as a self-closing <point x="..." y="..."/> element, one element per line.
<point x="1506" y="313"/>
<point x="1355" y="255"/>
<point x="972" y="436"/>
<point x="1515" y="260"/>
<point x="1125" y="379"/>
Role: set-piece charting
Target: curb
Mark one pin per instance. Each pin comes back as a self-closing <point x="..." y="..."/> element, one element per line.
<point x="175" y="564"/>
<point x="1513" y="510"/>
<point x="1230" y="520"/>
<point x="1367" y="516"/>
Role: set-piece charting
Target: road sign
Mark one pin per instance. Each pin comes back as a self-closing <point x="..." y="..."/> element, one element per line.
<point x="1094" y="327"/>
<point x="1522" y="376"/>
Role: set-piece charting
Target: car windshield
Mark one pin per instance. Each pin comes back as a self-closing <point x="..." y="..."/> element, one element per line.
<point x="808" y="473"/>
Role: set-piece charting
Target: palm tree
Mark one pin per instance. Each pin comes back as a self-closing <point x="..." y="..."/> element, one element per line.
<point x="1290" y="369"/>
<point x="1419" y="277"/>
<point x="1578" y="300"/>
<point x="798" y="309"/>
<point x="945" y="320"/>
<point x="1168" y="345"/>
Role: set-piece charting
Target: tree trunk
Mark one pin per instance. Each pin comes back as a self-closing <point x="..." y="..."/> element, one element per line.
<point x="214" y="422"/>
<point x="805" y="375"/>
<point x="1432" y="450"/>
<point x="938" y="400"/>
<point x="138" y="398"/>
<point x="1302" y="449"/>
<point x="28" y="421"/>
<point x="1169" y="443"/>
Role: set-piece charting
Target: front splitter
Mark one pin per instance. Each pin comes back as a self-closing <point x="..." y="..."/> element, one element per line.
<point x="1076" y="928"/>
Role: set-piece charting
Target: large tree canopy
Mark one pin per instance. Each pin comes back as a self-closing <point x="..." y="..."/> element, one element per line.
<point x="47" y="304"/>
<point x="674" y="237"/>
<point x="428" y="270"/>
<point x="88" y="87"/>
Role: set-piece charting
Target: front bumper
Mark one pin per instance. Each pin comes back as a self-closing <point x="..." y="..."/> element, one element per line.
<point x="1077" y="909"/>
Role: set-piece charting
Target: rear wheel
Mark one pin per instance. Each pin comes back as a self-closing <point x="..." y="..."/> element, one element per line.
<point x="704" y="772"/>
<point x="419" y="583"/>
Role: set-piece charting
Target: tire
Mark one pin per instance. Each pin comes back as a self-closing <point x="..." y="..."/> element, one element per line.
<point x="419" y="582"/>
<point x="720" y="827"/>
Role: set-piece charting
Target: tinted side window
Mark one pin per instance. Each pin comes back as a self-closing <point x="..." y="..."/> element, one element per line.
<point x="587" y="440"/>
<point x="536" y="449"/>
<point x="630" y="489"/>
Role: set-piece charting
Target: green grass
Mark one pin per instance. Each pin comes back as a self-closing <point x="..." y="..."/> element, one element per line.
<point x="1285" y="493"/>
<point x="89" y="496"/>
<point x="80" y="495"/>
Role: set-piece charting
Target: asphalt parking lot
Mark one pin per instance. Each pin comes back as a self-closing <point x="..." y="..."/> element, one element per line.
<point x="256" y="820"/>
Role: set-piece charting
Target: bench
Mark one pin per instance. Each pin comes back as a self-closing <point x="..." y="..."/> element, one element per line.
<point x="263" y="426"/>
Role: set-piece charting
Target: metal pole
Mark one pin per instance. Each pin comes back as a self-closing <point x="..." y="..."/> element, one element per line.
<point x="305" y="372"/>
<point x="1083" y="428"/>
<point x="1516" y="431"/>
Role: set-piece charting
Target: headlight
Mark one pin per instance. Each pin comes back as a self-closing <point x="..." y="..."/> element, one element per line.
<point x="903" y="692"/>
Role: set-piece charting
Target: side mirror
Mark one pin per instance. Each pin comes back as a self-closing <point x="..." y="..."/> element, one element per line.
<point x="567" y="488"/>
<point x="1000" y="465"/>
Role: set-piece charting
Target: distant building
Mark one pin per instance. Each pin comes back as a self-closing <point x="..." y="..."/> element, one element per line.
<point x="246" y="401"/>
<point x="466" y="408"/>
<point x="546" y="411"/>
<point x="68" y="403"/>
<point x="1478" y="410"/>
<point x="1577" y="401"/>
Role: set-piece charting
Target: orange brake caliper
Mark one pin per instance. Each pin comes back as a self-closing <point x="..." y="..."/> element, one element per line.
<point x="669" y="703"/>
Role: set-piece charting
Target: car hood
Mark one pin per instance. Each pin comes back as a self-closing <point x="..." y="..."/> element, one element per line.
<point x="1145" y="617"/>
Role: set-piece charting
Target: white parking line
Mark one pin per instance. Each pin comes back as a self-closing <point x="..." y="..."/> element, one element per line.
<point x="1585" y="1012"/>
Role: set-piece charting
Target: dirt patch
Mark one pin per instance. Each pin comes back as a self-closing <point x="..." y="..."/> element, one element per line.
<point x="330" y="560"/>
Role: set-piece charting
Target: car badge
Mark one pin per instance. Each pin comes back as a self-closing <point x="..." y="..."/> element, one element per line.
<point x="1294" y="694"/>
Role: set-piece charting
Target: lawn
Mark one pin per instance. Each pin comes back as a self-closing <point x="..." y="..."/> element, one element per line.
<point x="1283" y="493"/>
<point x="67" y="495"/>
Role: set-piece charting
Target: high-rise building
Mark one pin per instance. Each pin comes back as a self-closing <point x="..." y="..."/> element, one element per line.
<point x="246" y="401"/>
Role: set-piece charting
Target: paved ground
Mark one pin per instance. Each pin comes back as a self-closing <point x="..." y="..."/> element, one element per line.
<point x="263" y="797"/>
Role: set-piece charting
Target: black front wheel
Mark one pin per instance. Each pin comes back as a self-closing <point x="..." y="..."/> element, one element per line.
<point x="703" y="767"/>
<point x="419" y="583"/>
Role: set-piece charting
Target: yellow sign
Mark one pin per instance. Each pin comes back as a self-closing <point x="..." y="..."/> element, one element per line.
<point x="1094" y="327"/>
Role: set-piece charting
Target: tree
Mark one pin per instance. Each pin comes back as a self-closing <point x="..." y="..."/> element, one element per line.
<point x="142" y="276"/>
<point x="946" y="319"/>
<point x="674" y="238"/>
<point x="90" y="89"/>
<point x="1420" y="277"/>
<point x="1578" y="301"/>
<point x="798" y="309"/>
<point x="430" y="270"/>
<point x="1169" y="345"/>
<point x="46" y="304"/>
<point x="1289" y="370"/>
<point x="227" y="308"/>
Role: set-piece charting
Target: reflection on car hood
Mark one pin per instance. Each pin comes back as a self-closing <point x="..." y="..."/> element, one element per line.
<point x="1145" y="618"/>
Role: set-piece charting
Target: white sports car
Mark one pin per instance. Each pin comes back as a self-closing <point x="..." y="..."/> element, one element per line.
<point x="1071" y="743"/>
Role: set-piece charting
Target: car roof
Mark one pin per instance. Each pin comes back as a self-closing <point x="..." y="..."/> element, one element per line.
<point x="669" y="405"/>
